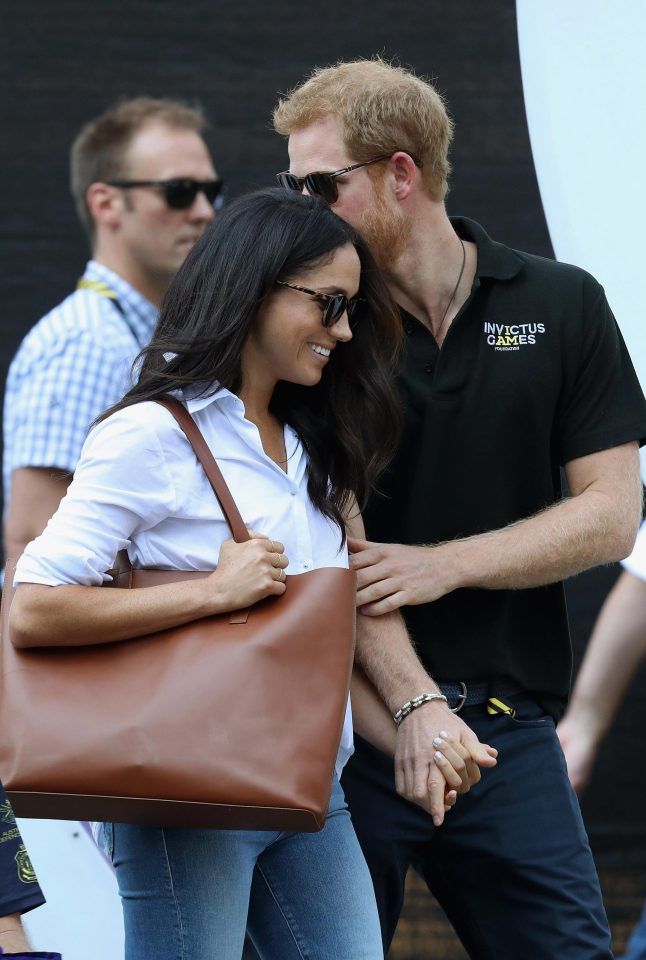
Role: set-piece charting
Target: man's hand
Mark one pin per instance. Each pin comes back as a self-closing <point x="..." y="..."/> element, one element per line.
<point x="580" y="748"/>
<point x="436" y="753"/>
<point x="391" y="575"/>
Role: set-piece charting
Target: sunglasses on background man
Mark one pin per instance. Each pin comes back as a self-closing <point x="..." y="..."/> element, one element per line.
<point x="179" y="193"/>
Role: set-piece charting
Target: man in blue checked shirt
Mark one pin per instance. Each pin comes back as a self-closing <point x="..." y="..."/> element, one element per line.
<point x="145" y="189"/>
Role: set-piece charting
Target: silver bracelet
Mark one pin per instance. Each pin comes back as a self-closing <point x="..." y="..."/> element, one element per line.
<point x="416" y="702"/>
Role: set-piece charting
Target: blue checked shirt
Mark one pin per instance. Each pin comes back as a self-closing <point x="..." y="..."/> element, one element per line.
<point x="73" y="364"/>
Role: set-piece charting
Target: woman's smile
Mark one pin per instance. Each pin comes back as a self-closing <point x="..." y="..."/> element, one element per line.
<point x="320" y="351"/>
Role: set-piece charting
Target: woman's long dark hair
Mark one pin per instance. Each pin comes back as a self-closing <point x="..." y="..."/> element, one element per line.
<point x="348" y="423"/>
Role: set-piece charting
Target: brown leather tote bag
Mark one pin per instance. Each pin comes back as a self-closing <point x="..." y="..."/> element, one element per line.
<point x="231" y="721"/>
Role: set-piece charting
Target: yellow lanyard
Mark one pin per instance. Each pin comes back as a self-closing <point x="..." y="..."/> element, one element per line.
<point x="496" y="705"/>
<point x="85" y="283"/>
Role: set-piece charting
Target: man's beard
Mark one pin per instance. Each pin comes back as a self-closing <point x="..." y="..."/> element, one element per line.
<point x="386" y="231"/>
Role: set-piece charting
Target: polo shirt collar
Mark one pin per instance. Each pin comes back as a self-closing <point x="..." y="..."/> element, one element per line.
<point x="141" y="313"/>
<point x="494" y="259"/>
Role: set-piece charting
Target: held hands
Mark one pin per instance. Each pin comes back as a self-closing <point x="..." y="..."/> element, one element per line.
<point x="391" y="575"/>
<point x="249" y="572"/>
<point x="437" y="756"/>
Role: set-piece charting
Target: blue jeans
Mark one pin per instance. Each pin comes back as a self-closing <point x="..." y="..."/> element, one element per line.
<point x="189" y="894"/>
<point x="511" y="866"/>
<point x="636" y="949"/>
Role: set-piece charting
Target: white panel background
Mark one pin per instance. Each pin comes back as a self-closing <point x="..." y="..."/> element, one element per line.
<point x="82" y="918"/>
<point x="584" y="77"/>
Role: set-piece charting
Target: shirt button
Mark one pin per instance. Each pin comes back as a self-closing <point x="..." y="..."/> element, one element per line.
<point x="428" y="369"/>
<point x="293" y="493"/>
<point x="306" y="564"/>
<point x="408" y="330"/>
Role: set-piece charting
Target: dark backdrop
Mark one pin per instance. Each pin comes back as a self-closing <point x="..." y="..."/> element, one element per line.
<point x="62" y="63"/>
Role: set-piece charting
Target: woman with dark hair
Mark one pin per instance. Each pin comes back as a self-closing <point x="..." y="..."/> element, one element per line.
<point x="279" y="335"/>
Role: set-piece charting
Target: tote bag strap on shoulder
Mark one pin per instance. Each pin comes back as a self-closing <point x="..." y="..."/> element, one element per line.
<point x="211" y="469"/>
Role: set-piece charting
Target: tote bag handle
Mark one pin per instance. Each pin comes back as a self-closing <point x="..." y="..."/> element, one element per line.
<point x="220" y="489"/>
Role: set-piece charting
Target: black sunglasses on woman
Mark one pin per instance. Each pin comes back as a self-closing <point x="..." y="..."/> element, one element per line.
<point x="333" y="305"/>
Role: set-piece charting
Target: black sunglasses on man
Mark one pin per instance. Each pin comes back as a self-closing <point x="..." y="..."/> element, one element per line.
<point x="324" y="185"/>
<point x="179" y="193"/>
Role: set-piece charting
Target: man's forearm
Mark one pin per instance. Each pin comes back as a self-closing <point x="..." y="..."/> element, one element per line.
<point x="386" y="655"/>
<point x="34" y="496"/>
<point x="371" y="718"/>
<point x="597" y="524"/>
<point x="571" y="536"/>
<point x="422" y="773"/>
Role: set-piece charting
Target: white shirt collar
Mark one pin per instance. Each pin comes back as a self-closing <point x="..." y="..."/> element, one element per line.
<point x="195" y="403"/>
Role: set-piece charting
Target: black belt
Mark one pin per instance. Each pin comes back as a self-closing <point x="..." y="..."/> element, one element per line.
<point x="474" y="693"/>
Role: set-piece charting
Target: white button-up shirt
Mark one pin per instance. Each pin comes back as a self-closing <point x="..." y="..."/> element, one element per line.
<point x="139" y="485"/>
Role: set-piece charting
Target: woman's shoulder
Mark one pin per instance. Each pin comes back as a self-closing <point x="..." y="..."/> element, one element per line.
<point x="145" y="416"/>
<point x="141" y="429"/>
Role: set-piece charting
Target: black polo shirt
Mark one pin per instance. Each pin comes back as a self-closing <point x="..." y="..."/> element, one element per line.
<point x="19" y="889"/>
<point x="533" y="373"/>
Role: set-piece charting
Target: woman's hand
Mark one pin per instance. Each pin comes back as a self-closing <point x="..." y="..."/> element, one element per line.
<point x="248" y="572"/>
<point x="436" y="753"/>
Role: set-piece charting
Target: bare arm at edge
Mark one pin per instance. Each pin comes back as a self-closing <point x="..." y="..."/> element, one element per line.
<point x="12" y="934"/>
<point x="616" y="649"/>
